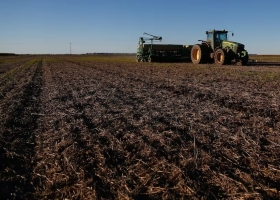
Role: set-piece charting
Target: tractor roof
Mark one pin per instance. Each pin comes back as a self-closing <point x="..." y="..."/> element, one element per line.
<point x="221" y="31"/>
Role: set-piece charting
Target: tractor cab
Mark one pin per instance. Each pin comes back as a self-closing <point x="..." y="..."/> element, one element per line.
<point x="215" y="38"/>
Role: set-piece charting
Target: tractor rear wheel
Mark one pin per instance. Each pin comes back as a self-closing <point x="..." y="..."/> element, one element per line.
<point x="199" y="54"/>
<point x="220" y="57"/>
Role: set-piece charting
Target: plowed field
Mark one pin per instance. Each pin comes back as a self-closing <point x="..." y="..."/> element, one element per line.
<point x="82" y="127"/>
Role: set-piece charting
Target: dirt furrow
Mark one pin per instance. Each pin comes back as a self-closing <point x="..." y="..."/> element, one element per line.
<point x="18" y="139"/>
<point x="105" y="130"/>
<point x="200" y="98"/>
<point x="7" y="65"/>
<point x="222" y="97"/>
<point x="153" y="140"/>
<point x="60" y="153"/>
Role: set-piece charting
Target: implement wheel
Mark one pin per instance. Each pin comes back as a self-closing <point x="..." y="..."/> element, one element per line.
<point x="199" y="54"/>
<point x="220" y="57"/>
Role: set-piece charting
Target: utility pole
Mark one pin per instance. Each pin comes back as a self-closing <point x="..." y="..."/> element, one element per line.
<point x="70" y="48"/>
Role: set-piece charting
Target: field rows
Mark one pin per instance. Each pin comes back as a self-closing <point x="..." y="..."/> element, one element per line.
<point x="83" y="128"/>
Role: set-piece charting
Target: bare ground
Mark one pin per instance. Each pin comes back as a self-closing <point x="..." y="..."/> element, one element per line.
<point x="83" y="128"/>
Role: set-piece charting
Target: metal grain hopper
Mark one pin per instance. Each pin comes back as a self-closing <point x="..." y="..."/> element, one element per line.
<point x="147" y="51"/>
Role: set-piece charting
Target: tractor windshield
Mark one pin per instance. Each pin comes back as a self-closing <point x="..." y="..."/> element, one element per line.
<point x="221" y="36"/>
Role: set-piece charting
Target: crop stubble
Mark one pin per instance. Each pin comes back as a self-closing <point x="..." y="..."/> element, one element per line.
<point x="83" y="129"/>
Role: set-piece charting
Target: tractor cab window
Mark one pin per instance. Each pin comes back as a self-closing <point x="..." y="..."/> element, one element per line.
<point x="220" y="36"/>
<point x="209" y="36"/>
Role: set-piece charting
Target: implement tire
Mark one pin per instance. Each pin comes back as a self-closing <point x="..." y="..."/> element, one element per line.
<point x="199" y="54"/>
<point x="220" y="57"/>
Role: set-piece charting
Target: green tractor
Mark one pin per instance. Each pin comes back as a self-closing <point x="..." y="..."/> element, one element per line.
<point x="218" y="49"/>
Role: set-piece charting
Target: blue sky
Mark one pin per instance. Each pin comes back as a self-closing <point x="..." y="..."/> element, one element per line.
<point x="49" y="26"/>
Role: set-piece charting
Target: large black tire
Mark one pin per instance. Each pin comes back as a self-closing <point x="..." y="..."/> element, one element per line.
<point x="199" y="54"/>
<point x="244" y="61"/>
<point x="220" y="57"/>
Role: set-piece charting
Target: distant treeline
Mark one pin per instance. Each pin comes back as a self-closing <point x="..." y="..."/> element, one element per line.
<point x="110" y="53"/>
<point x="7" y="54"/>
<point x="82" y="54"/>
<point x="264" y="55"/>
